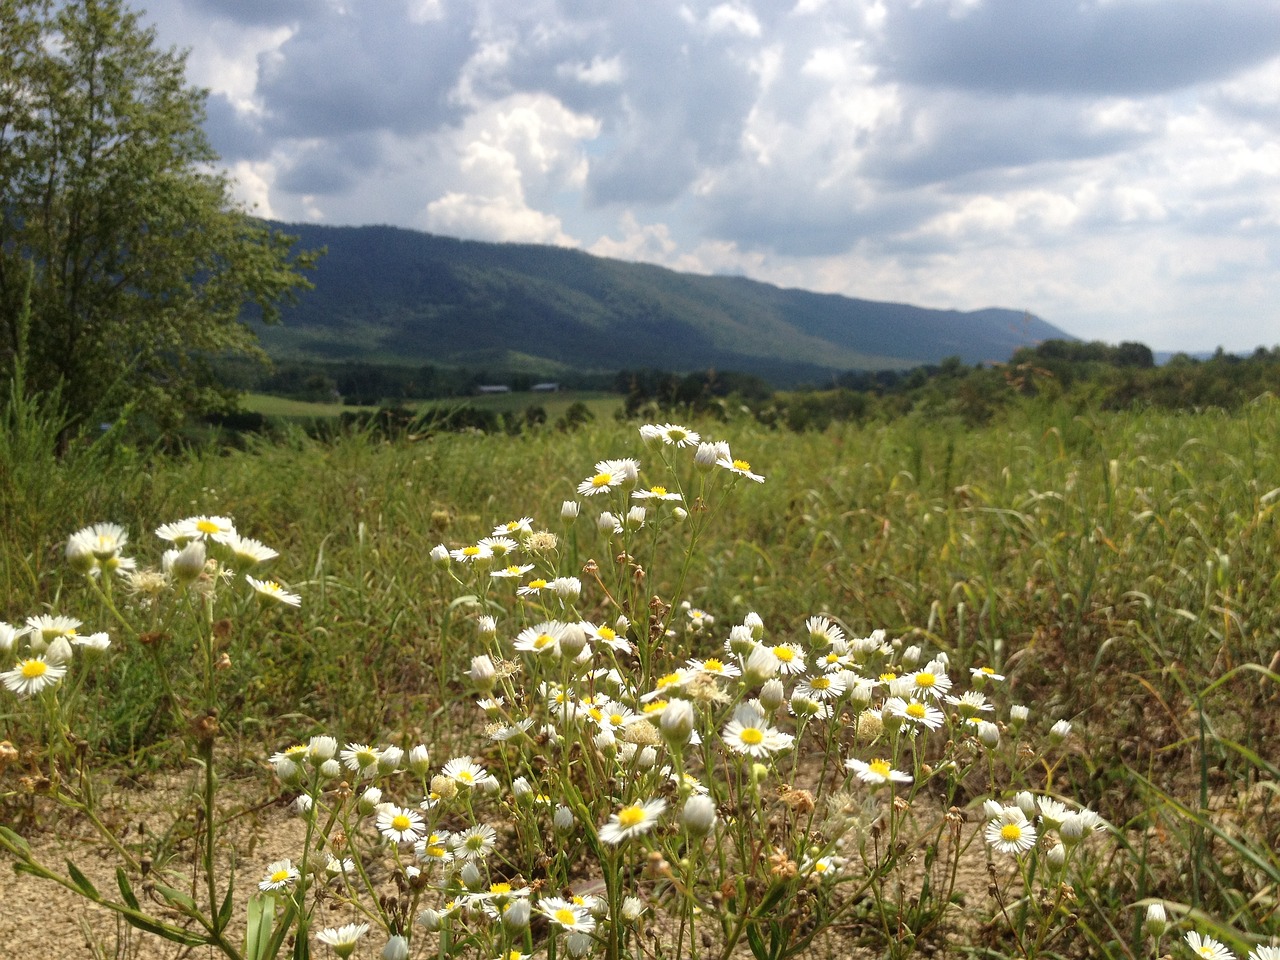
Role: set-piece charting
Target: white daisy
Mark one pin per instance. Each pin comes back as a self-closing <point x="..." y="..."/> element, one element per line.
<point x="31" y="676"/>
<point x="678" y="436"/>
<point x="822" y="632"/>
<point x="1207" y="947"/>
<point x="607" y="476"/>
<point x="474" y="843"/>
<point x="514" y="528"/>
<point x="568" y="916"/>
<point x="465" y="771"/>
<point x="750" y="733"/>
<point x="740" y="467"/>
<point x="343" y="939"/>
<point x="633" y="820"/>
<point x="877" y="772"/>
<point x="542" y="638"/>
<point x="472" y="553"/>
<point x="1011" y="832"/>
<point x="790" y="658"/>
<point x="271" y="590"/>
<point x="916" y="712"/>
<point x="247" y="552"/>
<point x="656" y="492"/>
<point x="399" y="824"/>
<point x="280" y="875"/>
<point x="360" y="758"/>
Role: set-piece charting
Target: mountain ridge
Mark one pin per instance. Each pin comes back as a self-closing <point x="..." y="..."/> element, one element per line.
<point x="389" y="294"/>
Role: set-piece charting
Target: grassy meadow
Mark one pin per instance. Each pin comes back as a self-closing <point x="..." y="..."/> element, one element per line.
<point x="1117" y="570"/>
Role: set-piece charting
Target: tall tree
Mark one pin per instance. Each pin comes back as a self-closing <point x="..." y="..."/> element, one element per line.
<point x="112" y="212"/>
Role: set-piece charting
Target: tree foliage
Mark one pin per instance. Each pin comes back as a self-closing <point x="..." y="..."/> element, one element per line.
<point x="139" y="264"/>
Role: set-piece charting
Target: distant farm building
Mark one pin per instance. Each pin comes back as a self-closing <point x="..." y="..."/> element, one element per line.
<point x="493" y="388"/>
<point x="545" y="388"/>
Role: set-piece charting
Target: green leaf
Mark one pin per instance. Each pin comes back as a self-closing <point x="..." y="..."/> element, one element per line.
<point x="224" y="912"/>
<point x="14" y="842"/>
<point x="177" y="897"/>
<point x="172" y="934"/>
<point x="83" y="882"/>
<point x="257" y="938"/>
<point x="126" y="891"/>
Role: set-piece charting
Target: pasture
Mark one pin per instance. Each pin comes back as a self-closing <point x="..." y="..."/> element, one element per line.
<point x="678" y="732"/>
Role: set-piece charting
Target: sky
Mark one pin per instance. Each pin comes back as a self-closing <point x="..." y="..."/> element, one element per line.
<point x="1112" y="166"/>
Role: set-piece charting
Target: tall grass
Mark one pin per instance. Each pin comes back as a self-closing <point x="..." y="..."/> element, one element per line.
<point x="1119" y="568"/>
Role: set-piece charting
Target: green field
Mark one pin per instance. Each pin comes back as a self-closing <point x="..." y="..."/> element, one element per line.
<point x="1117" y="570"/>
<point x="602" y="405"/>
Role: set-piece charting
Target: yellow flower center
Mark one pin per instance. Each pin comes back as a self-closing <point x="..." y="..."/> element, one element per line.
<point x="601" y="480"/>
<point x="1011" y="831"/>
<point x="466" y="776"/>
<point x="785" y="654"/>
<point x="31" y="669"/>
<point x="887" y="677"/>
<point x="820" y="683"/>
<point x="471" y="551"/>
<point x="207" y="526"/>
<point x="667" y="680"/>
<point x="513" y="570"/>
<point x="658" y="491"/>
<point x="280" y="876"/>
<point x="916" y="711"/>
<point x="987" y="670"/>
<point x="925" y="680"/>
<point x="752" y="736"/>
<point x="500" y="888"/>
<point x="566" y="917"/>
<point x="435" y="852"/>
<point x="543" y="640"/>
<point x="880" y="767"/>
<point x="537" y="584"/>
<point x="713" y="665"/>
<point x="616" y="719"/>
<point x="741" y="465"/>
<point x="401" y="822"/>
<point x="630" y="816"/>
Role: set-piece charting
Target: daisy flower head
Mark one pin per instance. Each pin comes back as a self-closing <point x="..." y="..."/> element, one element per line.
<point x="514" y="528"/>
<point x="970" y="704"/>
<point x="360" y="758"/>
<point x="749" y="733"/>
<point x="790" y="658"/>
<point x="217" y="529"/>
<point x="465" y="771"/>
<point x="1207" y="947"/>
<point x="542" y="638"/>
<point x="44" y="629"/>
<point x="677" y="436"/>
<point x="741" y="468"/>
<point x="822" y="632"/>
<point x="608" y="636"/>
<point x="498" y="546"/>
<point x="609" y="474"/>
<point x="1010" y="832"/>
<point x="342" y="940"/>
<point x="877" y="773"/>
<point x="32" y="675"/>
<point x="280" y="876"/>
<point x="827" y="686"/>
<point x="474" y="553"/>
<point x="714" y="667"/>
<point x="567" y="915"/>
<point x="632" y="820"/>
<point x="930" y="682"/>
<point x="247" y="552"/>
<point x="983" y="674"/>
<point x="513" y="571"/>
<point x="9" y="635"/>
<point x="532" y="588"/>
<point x="399" y="824"/>
<point x="474" y="843"/>
<point x="433" y="849"/>
<point x="271" y="590"/>
<point x="656" y="492"/>
<point x="916" y="712"/>
<point x="1264" y="953"/>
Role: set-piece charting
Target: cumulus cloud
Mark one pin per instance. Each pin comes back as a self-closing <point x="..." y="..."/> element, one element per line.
<point x="1113" y="165"/>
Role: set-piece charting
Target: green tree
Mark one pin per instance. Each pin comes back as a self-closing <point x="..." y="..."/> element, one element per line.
<point x="141" y="264"/>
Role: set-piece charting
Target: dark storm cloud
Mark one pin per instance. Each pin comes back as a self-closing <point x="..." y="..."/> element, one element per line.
<point x="233" y="134"/>
<point x="332" y="168"/>
<point x="953" y="136"/>
<point x="344" y="73"/>
<point x="1069" y="46"/>
<point x="259" y="13"/>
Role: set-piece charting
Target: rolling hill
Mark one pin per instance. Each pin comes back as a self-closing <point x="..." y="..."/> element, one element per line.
<point x="389" y="295"/>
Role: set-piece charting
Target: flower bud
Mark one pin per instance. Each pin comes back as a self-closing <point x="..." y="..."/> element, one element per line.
<point x="187" y="564"/>
<point x="579" y="944"/>
<point x="562" y="818"/>
<point x="1057" y="856"/>
<point x="772" y="695"/>
<point x="397" y="948"/>
<point x="911" y="656"/>
<point x="1156" y="922"/>
<point x="446" y="788"/>
<point x="632" y="909"/>
<point x="572" y="640"/>
<point x="1073" y="829"/>
<point x="429" y="919"/>
<point x="992" y="809"/>
<point x="680" y="514"/>
<point x="470" y="876"/>
<point x="1018" y="714"/>
<point x="567" y="589"/>
<point x="569" y="510"/>
<point x="80" y="555"/>
<point x="677" y="723"/>
<point x="486" y="626"/>
<point x="516" y="915"/>
<point x="699" y="815"/>
<point x="331" y="769"/>
<point x="58" y="651"/>
<point x="390" y="759"/>
<point x="1027" y="804"/>
<point x="1060" y="731"/>
<point x="607" y="523"/>
<point x="762" y="664"/>
<point x="369" y="801"/>
<point x="635" y="518"/>
<point x="440" y="555"/>
<point x="322" y="748"/>
<point x="989" y="734"/>
<point x="482" y="672"/>
<point x="419" y="760"/>
<point x="753" y="622"/>
<point x="647" y="758"/>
